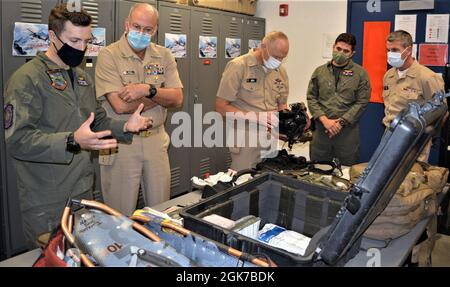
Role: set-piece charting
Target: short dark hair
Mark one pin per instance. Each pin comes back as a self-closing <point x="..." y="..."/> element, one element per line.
<point x="348" y="39"/>
<point x="60" y="15"/>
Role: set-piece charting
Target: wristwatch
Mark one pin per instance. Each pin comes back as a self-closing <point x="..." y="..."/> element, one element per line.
<point x="71" y="145"/>
<point x="152" y="91"/>
<point x="343" y="122"/>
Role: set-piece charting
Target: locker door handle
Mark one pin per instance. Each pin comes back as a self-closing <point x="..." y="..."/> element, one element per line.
<point x="195" y="99"/>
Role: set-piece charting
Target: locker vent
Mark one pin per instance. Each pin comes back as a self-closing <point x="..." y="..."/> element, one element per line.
<point x="234" y="30"/>
<point x="31" y="11"/>
<point x="207" y="26"/>
<point x="176" y="23"/>
<point x="205" y="166"/>
<point x="255" y="32"/>
<point x="92" y="8"/>
<point x="175" y="179"/>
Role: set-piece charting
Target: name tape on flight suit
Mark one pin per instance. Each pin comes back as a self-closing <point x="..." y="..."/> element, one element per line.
<point x="82" y="81"/>
<point x="347" y="73"/>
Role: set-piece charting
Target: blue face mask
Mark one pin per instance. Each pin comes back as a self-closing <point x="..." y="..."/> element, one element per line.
<point x="271" y="63"/>
<point x="395" y="59"/>
<point x="138" y="41"/>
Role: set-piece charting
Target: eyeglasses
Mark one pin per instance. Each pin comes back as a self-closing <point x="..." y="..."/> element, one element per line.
<point x="145" y="30"/>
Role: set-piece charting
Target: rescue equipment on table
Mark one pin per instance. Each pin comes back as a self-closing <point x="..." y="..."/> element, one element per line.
<point x="203" y="251"/>
<point x="93" y="234"/>
<point x="270" y="234"/>
<point x="292" y="124"/>
<point x="288" y="240"/>
<point x="212" y="184"/>
<point x="324" y="173"/>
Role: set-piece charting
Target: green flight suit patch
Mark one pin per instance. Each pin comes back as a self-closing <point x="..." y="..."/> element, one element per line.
<point x="57" y="78"/>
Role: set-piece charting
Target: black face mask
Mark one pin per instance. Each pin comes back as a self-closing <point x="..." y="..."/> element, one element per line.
<point x="70" y="56"/>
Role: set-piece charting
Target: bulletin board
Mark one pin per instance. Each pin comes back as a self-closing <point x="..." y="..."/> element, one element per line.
<point x="361" y="15"/>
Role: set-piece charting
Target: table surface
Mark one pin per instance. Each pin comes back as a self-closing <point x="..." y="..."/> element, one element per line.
<point x="394" y="254"/>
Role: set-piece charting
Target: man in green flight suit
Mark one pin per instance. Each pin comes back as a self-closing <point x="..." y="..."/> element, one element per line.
<point x="53" y="119"/>
<point x="338" y="94"/>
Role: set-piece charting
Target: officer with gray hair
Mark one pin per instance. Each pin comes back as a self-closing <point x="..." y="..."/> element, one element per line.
<point x="255" y="83"/>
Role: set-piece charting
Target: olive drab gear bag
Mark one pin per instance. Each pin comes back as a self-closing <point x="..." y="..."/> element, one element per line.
<point x="415" y="199"/>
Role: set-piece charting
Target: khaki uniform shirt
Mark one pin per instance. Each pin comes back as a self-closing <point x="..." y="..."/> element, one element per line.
<point x="348" y="99"/>
<point x="249" y="88"/>
<point x="43" y="108"/>
<point x="118" y="66"/>
<point x="419" y="84"/>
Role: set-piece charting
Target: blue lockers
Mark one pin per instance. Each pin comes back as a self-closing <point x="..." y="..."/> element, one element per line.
<point x="371" y="127"/>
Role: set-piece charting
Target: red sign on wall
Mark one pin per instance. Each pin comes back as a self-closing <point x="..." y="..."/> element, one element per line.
<point x="435" y="55"/>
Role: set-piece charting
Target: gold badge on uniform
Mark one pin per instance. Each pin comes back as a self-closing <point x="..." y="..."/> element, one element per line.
<point x="347" y="73"/>
<point x="82" y="81"/>
<point x="57" y="78"/>
<point x="278" y="83"/>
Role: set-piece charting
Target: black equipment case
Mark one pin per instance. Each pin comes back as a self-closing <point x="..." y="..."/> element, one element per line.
<point x="335" y="221"/>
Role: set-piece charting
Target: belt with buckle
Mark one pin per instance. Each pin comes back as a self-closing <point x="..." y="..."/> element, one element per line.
<point x="149" y="132"/>
<point x="145" y="133"/>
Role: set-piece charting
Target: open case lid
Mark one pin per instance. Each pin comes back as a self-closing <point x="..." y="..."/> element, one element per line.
<point x="399" y="148"/>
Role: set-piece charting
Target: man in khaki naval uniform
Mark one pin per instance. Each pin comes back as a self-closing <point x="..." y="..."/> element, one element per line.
<point x="255" y="82"/>
<point x="407" y="80"/>
<point x="129" y="72"/>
